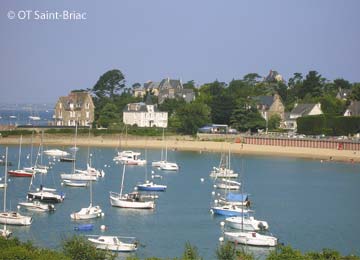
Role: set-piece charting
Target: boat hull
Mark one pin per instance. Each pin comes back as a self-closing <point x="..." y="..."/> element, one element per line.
<point x="14" y="218"/>
<point x="45" y="197"/>
<point x="20" y="173"/>
<point x="251" y="239"/>
<point x="124" y="203"/>
<point x="248" y="224"/>
<point x="78" y="177"/>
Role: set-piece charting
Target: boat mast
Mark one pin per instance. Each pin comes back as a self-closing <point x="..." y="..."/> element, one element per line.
<point x="122" y="181"/>
<point x="32" y="148"/>
<point x="162" y="147"/>
<point x="19" y="152"/>
<point x="5" y="188"/>
<point x="91" y="200"/>
<point x="75" y="146"/>
<point x="88" y="155"/>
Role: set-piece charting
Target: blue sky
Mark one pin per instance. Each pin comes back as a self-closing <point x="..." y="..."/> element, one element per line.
<point x="200" y="40"/>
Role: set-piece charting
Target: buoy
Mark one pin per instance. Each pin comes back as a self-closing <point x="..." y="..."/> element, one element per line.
<point x="18" y="206"/>
<point x="152" y="172"/>
<point x="214" y="186"/>
<point x="211" y="211"/>
<point x="216" y="201"/>
<point x="105" y="165"/>
<point x="103" y="227"/>
<point x="321" y="161"/>
<point x="102" y="214"/>
<point x="202" y="179"/>
<point x="62" y="184"/>
<point x="222" y="223"/>
<point x="135" y="188"/>
<point x="221" y="239"/>
<point x="117" y="162"/>
<point x="213" y="193"/>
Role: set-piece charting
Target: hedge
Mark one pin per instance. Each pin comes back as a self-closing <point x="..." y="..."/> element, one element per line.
<point x="328" y="125"/>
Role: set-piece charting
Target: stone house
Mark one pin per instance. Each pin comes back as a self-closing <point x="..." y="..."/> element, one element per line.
<point x="301" y="110"/>
<point x="76" y="107"/>
<point x="144" y="114"/>
<point x="353" y="109"/>
<point x="173" y="88"/>
<point x="269" y="106"/>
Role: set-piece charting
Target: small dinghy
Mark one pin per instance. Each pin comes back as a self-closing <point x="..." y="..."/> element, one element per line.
<point x="84" y="227"/>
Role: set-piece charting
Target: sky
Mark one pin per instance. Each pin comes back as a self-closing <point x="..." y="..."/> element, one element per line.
<point x="201" y="40"/>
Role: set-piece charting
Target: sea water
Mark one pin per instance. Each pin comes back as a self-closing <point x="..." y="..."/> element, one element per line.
<point x="308" y="204"/>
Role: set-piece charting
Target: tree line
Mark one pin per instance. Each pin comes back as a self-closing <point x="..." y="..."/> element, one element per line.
<point x="231" y="103"/>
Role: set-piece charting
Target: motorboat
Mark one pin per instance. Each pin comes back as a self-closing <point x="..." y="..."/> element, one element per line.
<point x="45" y="196"/>
<point x="75" y="183"/>
<point x="91" y="171"/>
<point x="229" y="211"/>
<point x="56" y="152"/>
<point x="113" y="243"/>
<point x="246" y="223"/>
<point x="150" y="186"/>
<point x="251" y="239"/>
<point x="35" y="169"/>
<point x="169" y="166"/>
<point x="129" y="158"/>
<point x="37" y="206"/>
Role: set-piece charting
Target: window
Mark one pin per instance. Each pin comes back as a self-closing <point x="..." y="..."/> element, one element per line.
<point x="87" y="105"/>
<point x="87" y="114"/>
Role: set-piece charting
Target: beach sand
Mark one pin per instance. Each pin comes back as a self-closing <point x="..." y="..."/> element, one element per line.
<point x="181" y="143"/>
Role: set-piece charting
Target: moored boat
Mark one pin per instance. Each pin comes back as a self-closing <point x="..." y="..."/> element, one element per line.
<point x="251" y="239"/>
<point x="246" y="223"/>
<point x="114" y="243"/>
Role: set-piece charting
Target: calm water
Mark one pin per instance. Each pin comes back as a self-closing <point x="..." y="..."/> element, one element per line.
<point x="308" y="204"/>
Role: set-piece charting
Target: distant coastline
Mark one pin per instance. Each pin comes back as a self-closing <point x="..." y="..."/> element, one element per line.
<point x="183" y="143"/>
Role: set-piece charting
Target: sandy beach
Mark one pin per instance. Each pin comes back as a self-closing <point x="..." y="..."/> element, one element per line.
<point x="189" y="144"/>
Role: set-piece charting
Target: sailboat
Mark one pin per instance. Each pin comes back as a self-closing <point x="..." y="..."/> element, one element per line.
<point x="249" y="238"/>
<point x="11" y="217"/>
<point x="149" y="185"/>
<point x="163" y="164"/>
<point x="77" y="175"/>
<point x="130" y="200"/>
<point x="19" y="172"/>
<point x="4" y="232"/>
<point x="224" y="170"/>
<point x="36" y="168"/>
<point x="89" y="212"/>
<point x="114" y="243"/>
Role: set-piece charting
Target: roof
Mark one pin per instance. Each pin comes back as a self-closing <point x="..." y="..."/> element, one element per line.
<point x="302" y="109"/>
<point x="344" y="93"/>
<point x="75" y="98"/>
<point x="170" y="83"/>
<point x="265" y="100"/>
<point x="138" y="107"/>
<point x="151" y="85"/>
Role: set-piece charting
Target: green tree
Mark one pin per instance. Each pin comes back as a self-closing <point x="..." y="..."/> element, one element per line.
<point x="274" y="122"/>
<point x="81" y="249"/>
<point x="251" y="78"/>
<point x="332" y="105"/>
<point x="355" y="92"/>
<point x="190" y="252"/>
<point x="226" y="251"/>
<point x="312" y="85"/>
<point x="109" y="84"/>
<point x="171" y="105"/>
<point x="246" y="117"/>
<point x="342" y="84"/>
<point x="109" y="115"/>
<point x="192" y="116"/>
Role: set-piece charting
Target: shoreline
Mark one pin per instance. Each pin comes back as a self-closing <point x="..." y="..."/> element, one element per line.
<point x="188" y="144"/>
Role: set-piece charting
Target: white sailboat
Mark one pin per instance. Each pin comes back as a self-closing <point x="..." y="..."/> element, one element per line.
<point x="11" y="217"/>
<point x="246" y="223"/>
<point x="130" y="200"/>
<point x="251" y="238"/>
<point x="55" y="153"/>
<point x="224" y="170"/>
<point x="37" y="206"/>
<point x="37" y="168"/>
<point x="164" y="164"/>
<point x="227" y="184"/>
<point x="89" y="212"/>
<point x="77" y="175"/>
<point x="4" y="232"/>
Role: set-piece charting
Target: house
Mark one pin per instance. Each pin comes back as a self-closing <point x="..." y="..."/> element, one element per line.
<point x="300" y="110"/>
<point x="77" y="107"/>
<point x="173" y="88"/>
<point x="152" y="87"/>
<point x="274" y="76"/>
<point x="269" y="106"/>
<point x="343" y="94"/>
<point x="144" y="114"/>
<point x="353" y="109"/>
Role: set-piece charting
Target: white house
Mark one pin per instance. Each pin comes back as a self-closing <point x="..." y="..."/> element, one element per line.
<point x="301" y="110"/>
<point x="144" y="115"/>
